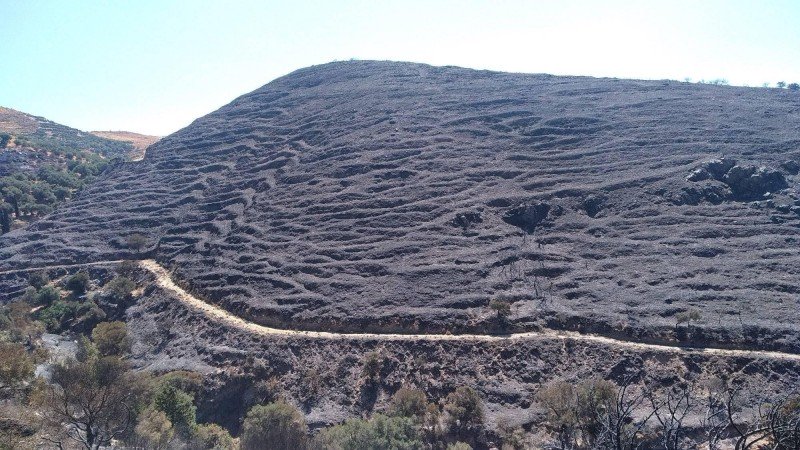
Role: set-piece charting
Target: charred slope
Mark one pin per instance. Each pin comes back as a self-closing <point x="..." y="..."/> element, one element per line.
<point x="396" y="196"/>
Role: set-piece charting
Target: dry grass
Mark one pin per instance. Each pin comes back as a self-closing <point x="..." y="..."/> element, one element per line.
<point x="13" y="121"/>
<point x="139" y="141"/>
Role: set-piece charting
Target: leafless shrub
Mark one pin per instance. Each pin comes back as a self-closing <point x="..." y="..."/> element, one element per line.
<point x="671" y="406"/>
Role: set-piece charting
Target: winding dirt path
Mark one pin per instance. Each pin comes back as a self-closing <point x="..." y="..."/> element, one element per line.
<point x="164" y="280"/>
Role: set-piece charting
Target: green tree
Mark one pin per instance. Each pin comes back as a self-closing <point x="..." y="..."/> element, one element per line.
<point x="16" y="365"/>
<point x="410" y="403"/>
<point x="38" y="279"/>
<point x="379" y="433"/>
<point x="87" y="351"/>
<point x="56" y="316"/>
<point x="501" y="307"/>
<point x="137" y="242"/>
<point x="464" y="409"/>
<point x="47" y="296"/>
<point x="184" y="380"/>
<point x="277" y="426"/>
<point x="17" y="324"/>
<point x="29" y="295"/>
<point x="178" y="406"/>
<point x="5" y="217"/>
<point x="43" y="193"/>
<point x="211" y="436"/>
<point x="78" y="283"/>
<point x="154" y="430"/>
<point x="576" y="412"/>
<point x="111" y="338"/>
<point x="12" y="192"/>
<point x="119" y="289"/>
<point x="78" y="316"/>
<point x="96" y="400"/>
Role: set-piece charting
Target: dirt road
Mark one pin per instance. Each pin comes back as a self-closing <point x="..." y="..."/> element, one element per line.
<point x="164" y="280"/>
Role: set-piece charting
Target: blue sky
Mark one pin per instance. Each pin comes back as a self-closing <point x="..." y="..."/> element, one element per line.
<point x="154" y="66"/>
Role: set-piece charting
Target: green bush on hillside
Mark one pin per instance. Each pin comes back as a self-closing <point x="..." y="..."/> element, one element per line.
<point x="178" y="406"/>
<point x="111" y="338"/>
<point x="211" y="436"/>
<point x="464" y="408"/>
<point x="78" y="283"/>
<point x="379" y="433"/>
<point x="277" y="426"/>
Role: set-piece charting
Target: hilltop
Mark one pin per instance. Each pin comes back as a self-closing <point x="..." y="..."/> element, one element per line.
<point x="139" y="141"/>
<point x="27" y="131"/>
<point x="403" y="197"/>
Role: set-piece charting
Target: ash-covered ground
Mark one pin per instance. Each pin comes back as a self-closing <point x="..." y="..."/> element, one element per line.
<point x="404" y="197"/>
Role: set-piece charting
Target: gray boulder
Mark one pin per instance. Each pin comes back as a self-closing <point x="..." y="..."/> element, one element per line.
<point x="752" y="183"/>
<point x="527" y="217"/>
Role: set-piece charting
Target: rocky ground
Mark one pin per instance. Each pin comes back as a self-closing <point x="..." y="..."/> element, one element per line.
<point x="326" y="378"/>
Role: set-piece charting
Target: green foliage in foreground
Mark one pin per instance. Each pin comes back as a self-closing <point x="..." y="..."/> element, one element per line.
<point x="277" y="426"/>
<point x="15" y="364"/>
<point x="178" y="406"/>
<point x="211" y="436"/>
<point x="63" y="315"/>
<point x="111" y="338"/>
<point x="119" y="289"/>
<point x="379" y="433"/>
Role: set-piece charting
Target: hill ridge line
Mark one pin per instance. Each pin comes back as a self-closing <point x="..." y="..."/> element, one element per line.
<point x="164" y="280"/>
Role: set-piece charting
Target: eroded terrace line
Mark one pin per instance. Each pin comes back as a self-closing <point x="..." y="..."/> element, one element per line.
<point x="62" y="266"/>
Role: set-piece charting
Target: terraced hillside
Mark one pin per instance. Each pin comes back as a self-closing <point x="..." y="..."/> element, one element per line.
<point x="43" y="163"/>
<point x="402" y="197"/>
<point x="23" y="132"/>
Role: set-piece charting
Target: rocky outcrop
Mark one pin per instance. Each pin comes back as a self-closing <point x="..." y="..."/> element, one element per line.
<point x="714" y="169"/>
<point x="746" y="182"/>
<point x="751" y="182"/>
<point x="593" y="204"/>
<point x="466" y="219"/>
<point x="527" y="217"/>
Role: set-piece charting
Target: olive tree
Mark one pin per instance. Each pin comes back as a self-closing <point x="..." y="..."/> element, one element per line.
<point x="95" y="400"/>
<point x="111" y="338"/>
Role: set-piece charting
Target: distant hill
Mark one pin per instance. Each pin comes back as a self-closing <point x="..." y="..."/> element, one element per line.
<point x="38" y="133"/>
<point x="139" y="141"/>
<point x="43" y="163"/>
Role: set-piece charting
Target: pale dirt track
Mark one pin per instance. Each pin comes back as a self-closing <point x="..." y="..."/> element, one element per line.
<point x="164" y="281"/>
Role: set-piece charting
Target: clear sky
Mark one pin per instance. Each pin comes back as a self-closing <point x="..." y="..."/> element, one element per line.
<point x="152" y="66"/>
